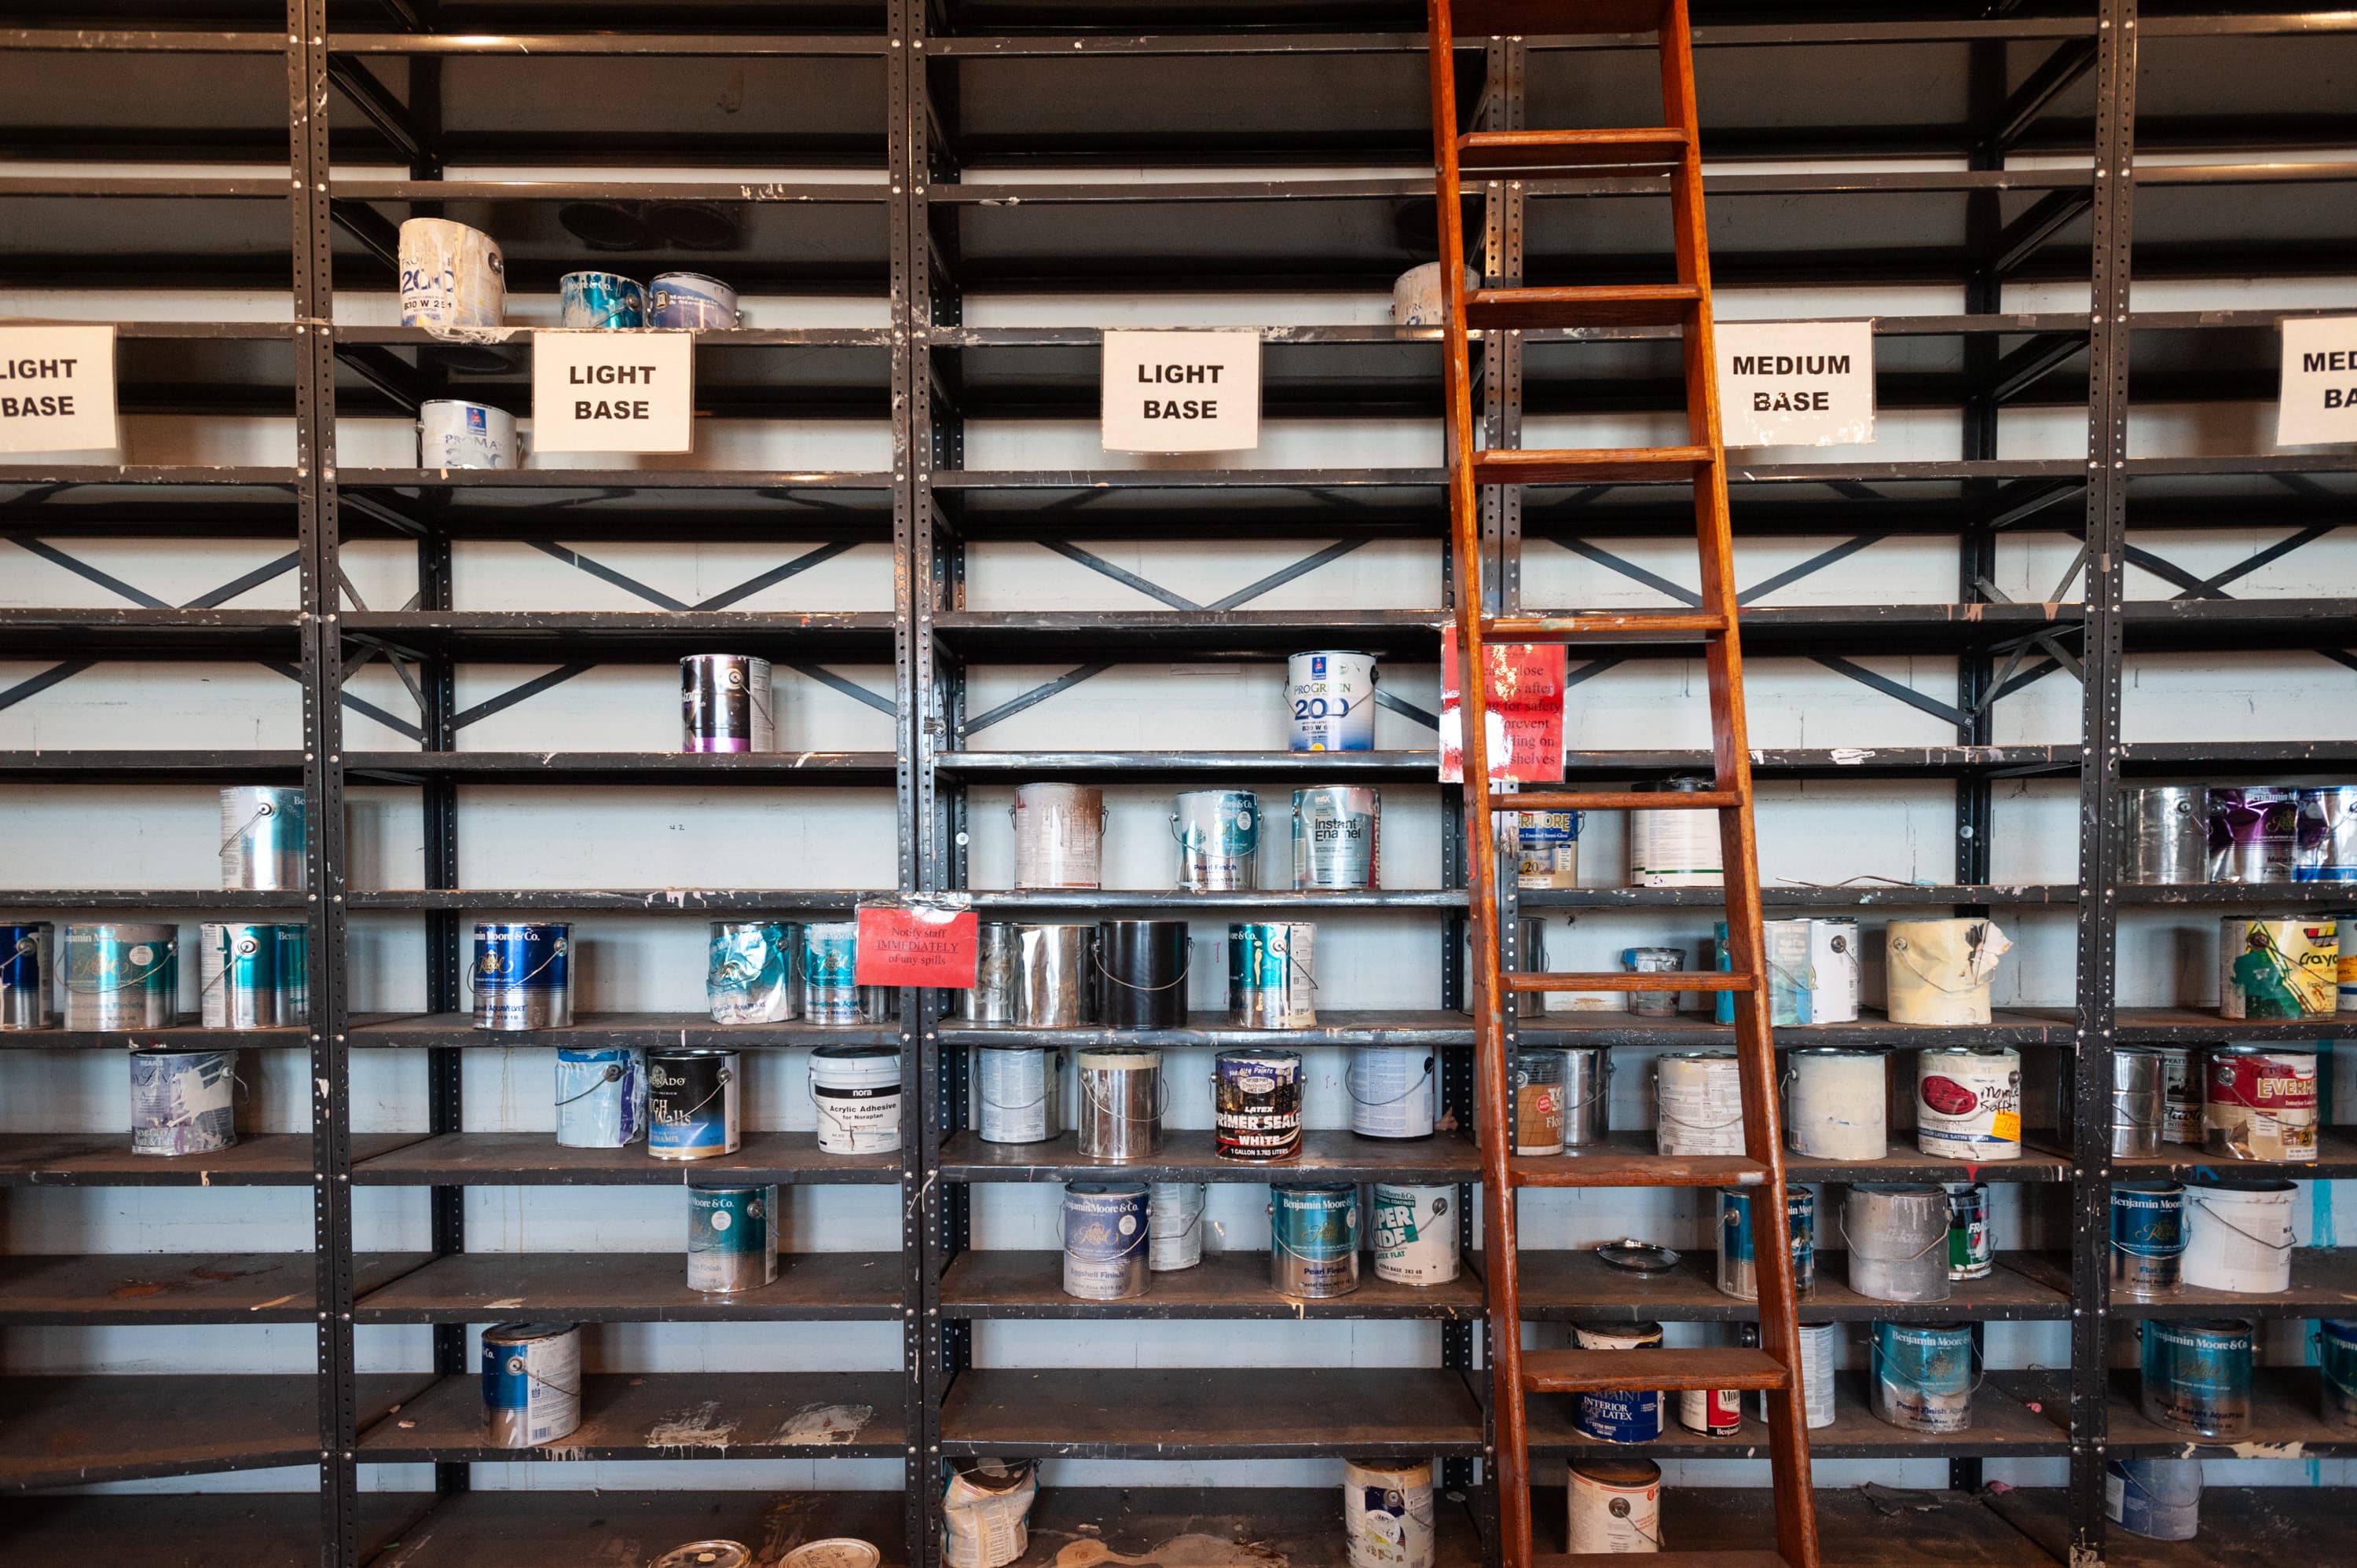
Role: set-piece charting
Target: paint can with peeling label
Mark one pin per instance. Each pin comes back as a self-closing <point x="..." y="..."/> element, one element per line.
<point x="1837" y="1103"/>
<point x="27" y="963"/>
<point x="1898" y="1238"/>
<point x="2259" y="1103"/>
<point x="754" y="973"/>
<point x="1971" y="1255"/>
<point x="2254" y="834"/>
<point x="1699" y="1099"/>
<point x="727" y="703"/>
<point x="1968" y="1103"/>
<point x="2158" y="1499"/>
<point x="832" y="994"/>
<point x="1620" y="1415"/>
<point x="263" y="838"/>
<point x="1394" y="1091"/>
<point x="1016" y="1093"/>
<point x="455" y="433"/>
<point x="2238" y="1235"/>
<point x="451" y="275"/>
<point x="1337" y="837"/>
<point x="1313" y="1240"/>
<point x="1059" y="836"/>
<point x="121" y="975"/>
<point x="1923" y="1376"/>
<point x="2148" y="1237"/>
<point x="237" y="972"/>
<point x="693" y="1095"/>
<point x="732" y="1238"/>
<point x="2278" y="967"/>
<point x="182" y="1103"/>
<point x="856" y="1091"/>
<point x="1387" y="1518"/>
<point x="531" y="1383"/>
<point x="1218" y="834"/>
<point x="1615" y="1506"/>
<point x="1120" y="1104"/>
<point x="1105" y="1239"/>
<point x="1653" y="961"/>
<point x="1272" y="974"/>
<point x="1256" y="1105"/>
<point x="1415" y="1234"/>
<point x="987" y="1512"/>
<point x="1174" y="1225"/>
<point x="1738" y="1272"/>
<point x="2336" y="1353"/>
<point x="2197" y="1376"/>
<point x="2167" y="834"/>
<point x="2181" y="1087"/>
<point x="1331" y="698"/>
<point x="1547" y="846"/>
<point x="523" y="976"/>
<point x="1676" y="848"/>
<point x="601" y="1097"/>
<point x="600" y="302"/>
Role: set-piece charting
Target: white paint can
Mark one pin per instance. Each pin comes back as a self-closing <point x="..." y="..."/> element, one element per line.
<point x="858" y="1091"/>
<point x="1394" y="1091"/>
<point x="1059" y="836"/>
<point x="1387" y="1513"/>
<point x="1415" y="1234"/>
<point x="451" y="275"/>
<point x="1418" y="299"/>
<point x="1331" y="698"/>
<point x="1838" y="1102"/>
<point x="2238" y="1236"/>
<point x="1174" y="1225"/>
<point x="1938" y="970"/>
<point x="1699" y="1099"/>
<point x="1968" y="1103"/>
<point x="1016" y="1092"/>
<point x="1675" y="849"/>
<point x="1815" y="1357"/>
<point x="455" y="433"/>
<point x="1615" y="1506"/>
<point x="1837" y="977"/>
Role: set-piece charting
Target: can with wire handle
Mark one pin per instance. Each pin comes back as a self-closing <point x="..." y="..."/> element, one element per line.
<point x="693" y="1103"/>
<point x="531" y="1383"/>
<point x="732" y="1238"/>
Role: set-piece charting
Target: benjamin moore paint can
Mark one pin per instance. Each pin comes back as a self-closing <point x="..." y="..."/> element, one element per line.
<point x="294" y="944"/>
<point x="451" y="275"/>
<point x="1547" y="848"/>
<point x="1120" y="1105"/>
<point x="601" y="1097"/>
<point x="732" y="1238"/>
<point x="1271" y="981"/>
<point x="691" y="1103"/>
<point x="1218" y="833"/>
<point x="1620" y="1415"/>
<point x="1387" y="1518"/>
<point x="2148" y="1237"/>
<point x="1313" y="1240"/>
<point x="1738" y="1272"/>
<point x="1015" y="1094"/>
<point x="1104" y="1240"/>
<point x="237" y="970"/>
<point x="856" y="1089"/>
<point x="455" y="433"/>
<point x="2168" y="833"/>
<point x="726" y="703"/>
<point x="1675" y="849"/>
<point x="1337" y="837"/>
<point x="2159" y="1499"/>
<point x="1968" y="1103"/>
<point x="1838" y="1102"/>
<point x="181" y="1102"/>
<point x="121" y="976"/>
<point x="2238" y="1236"/>
<point x="1059" y="836"/>
<point x="1415" y="1234"/>
<point x="600" y="302"/>
<point x="1699" y="1100"/>
<point x="261" y="839"/>
<point x="2278" y="967"/>
<point x="754" y="973"/>
<point x="2197" y="1376"/>
<point x="523" y="976"/>
<point x="2336" y="1347"/>
<point x="1922" y="1377"/>
<point x="2259" y="1103"/>
<point x="2254" y="834"/>
<point x="1256" y="1105"/>
<point x="1140" y="969"/>
<point x="531" y="1383"/>
<point x="2326" y="846"/>
<point x="1174" y="1225"/>
<point x="1972" y="1254"/>
<point x="27" y="961"/>
<point x="1615" y="1506"/>
<point x="1331" y="698"/>
<point x="1898" y="1239"/>
<point x="691" y="301"/>
<point x="1394" y="1091"/>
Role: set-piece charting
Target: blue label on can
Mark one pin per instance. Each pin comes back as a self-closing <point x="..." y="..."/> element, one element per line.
<point x="2197" y="1376"/>
<point x="20" y="959"/>
<point x="1621" y="1415"/>
<point x="1105" y="1225"/>
<point x="2337" y="1350"/>
<point x="1317" y="1227"/>
<point x="520" y="957"/>
<point x="601" y="1097"/>
<point x="830" y="961"/>
<point x="729" y="1219"/>
<point x="2148" y="1225"/>
<point x="598" y="301"/>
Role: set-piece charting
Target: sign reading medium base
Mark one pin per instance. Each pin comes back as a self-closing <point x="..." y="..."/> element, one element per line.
<point x="57" y="390"/>
<point x="1795" y="383"/>
<point x="2319" y="381"/>
<point x="613" y="392"/>
<point x="1181" y="392"/>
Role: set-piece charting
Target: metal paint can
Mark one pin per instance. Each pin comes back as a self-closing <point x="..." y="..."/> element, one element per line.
<point x="1714" y="1413"/>
<point x="1587" y="1096"/>
<point x="691" y="1103"/>
<point x="1526" y="956"/>
<point x="1738" y="1272"/>
<point x="600" y="302"/>
<point x="1938" y="971"/>
<point x="523" y="976"/>
<point x="2182" y="1118"/>
<point x="1272" y="978"/>
<point x="263" y="838"/>
<point x="1174" y="1225"/>
<point x="998" y="969"/>
<point x="1792" y="990"/>
<point x="1923" y="1376"/>
<point x="1387" y="1518"/>
<point x="1898" y="1238"/>
<point x="531" y="1383"/>
<point x="1698" y="1097"/>
<point x="1218" y="833"/>
<point x="2259" y="1103"/>
<point x="1547" y="846"/>
<point x="1653" y="961"/>
<point x="691" y="300"/>
<point x="2159" y="1499"/>
<point x="2344" y="943"/>
<point x="1055" y="976"/>
<point x="1141" y="973"/>
<point x="237" y="970"/>
<point x="2148" y="1237"/>
<point x="832" y="994"/>
<point x="1620" y="1415"/>
<point x="1415" y="1234"/>
<point x="1819" y="1350"/>
<point x="2139" y="1104"/>
<point x="2238" y="1236"/>
<point x="1059" y="836"/>
<point x="1675" y="849"/>
<point x="1394" y="1091"/>
<point x="856" y="1089"/>
<point x="2197" y="1376"/>
<point x="1104" y="1240"/>
<point x="726" y="703"/>
<point x="1972" y="1253"/>
<point x="1838" y="1102"/>
<point x="1338" y="837"/>
<point x="455" y="433"/>
<point x="1836" y="972"/>
<point x="2254" y="834"/>
<point x="1615" y="1506"/>
<point x="1016" y="1089"/>
<point x="1121" y="1103"/>
<point x="835" y="1551"/>
<point x="2336" y="1347"/>
<point x="1539" y="1093"/>
<point x="1331" y="698"/>
<point x="732" y="1238"/>
<point x="451" y="275"/>
<point x="182" y="1103"/>
<point x="754" y="971"/>
<point x="1256" y="1105"/>
<point x="1968" y="1103"/>
<point x="294" y="944"/>
<point x="1313" y="1240"/>
<point x="2167" y="834"/>
<point x="2279" y="967"/>
<point x="601" y="1097"/>
<point x="735" y="1554"/>
<point x="28" y="960"/>
<point x="121" y="975"/>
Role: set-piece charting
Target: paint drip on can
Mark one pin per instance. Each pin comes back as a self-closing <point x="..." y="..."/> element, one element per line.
<point x="1653" y="961"/>
<point x="1387" y="1517"/>
<point x="1256" y="1105"/>
<point x="1218" y="834"/>
<point x="1699" y="1103"/>
<point x="1675" y="849"/>
<point x="1271" y="980"/>
<point x="601" y="1097"/>
<point x="2336" y="1347"/>
<point x="1105" y="1238"/>
<point x="753" y="974"/>
<point x="1968" y="1103"/>
<point x="2254" y="834"/>
<point x="727" y="703"/>
<point x="523" y="976"/>
<point x="1313" y="1240"/>
<point x="451" y="275"/>
<point x="1059" y="836"/>
<point x="1393" y="1092"/>
<point x="1972" y="1253"/>
<point x="2197" y="1376"/>
<point x="2168" y="833"/>
<point x="691" y="1103"/>
<point x="1337" y="837"/>
<point x="531" y="1383"/>
<point x="121" y="976"/>
<point x="1174" y="1225"/>
<point x="600" y="302"/>
<point x="1415" y="1234"/>
<point x="2159" y="1499"/>
<point x="182" y="1103"/>
<point x="2271" y="967"/>
<point x="263" y="838"/>
<point x="1120" y="1104"/>
<point x="1615" y="1506"/>
<point x="856" y="1091"/>
<point x="732" y="1238"/>
<point x="1016" y="1092"/>
<point x="1739" y="1270"/>
<point x="237" y="970"/>
<point x="691" y="301"/>
<point x="2259" y="1103"/>
<point x="1838" y="1102"/>
<point x="1922" y="1377"/>
<point x="2148" y="1237"/>
<point x="2238" y="1236"/>
<point x="455" y="433"/>
<point x="2180" y="1088"/>
<point x="1620" y="1415"/>
<point x="1938" y="971"/>
<point x="1547" y="846"/>
<point x="27" y="963"/>
<point x="1331" y="698"/>
<point x="1898" y="1238"/>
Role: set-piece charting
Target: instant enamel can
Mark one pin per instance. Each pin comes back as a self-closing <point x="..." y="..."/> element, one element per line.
<point x="1337" y="837"/>
<point x="451" y="275"/>
<point x="121" y="975"/>
<point x="1394" y="1091"/>
<point x="726" y="703"/>
<point x="601" y="1097"/>
<point x="1256" y="1105"/>
<point x="600" y="302"/>
<point x="1174" y="1225"/>
<point x="1387" y="1518"/>
<point x="523" y="976"/>
<point x="732" y="1238"/>
<point x="856" y="1089"/>
<point x="1415" y="1234"/>
<point x="1922" y="1377"/>
<point x="1938" y="971"/>
<point x="2254" y="834"/>
<point x="1272" y="974"/>
<point x="1547" y="848"/>
<point x="2168" y="833"/>
<point x="2139" y="1102"/>
<point x="237" y="976"/>
<point x="691" y="301"/>
<point x="1738" y="1270"/>
<point x="997" y="970"/>
<point x="2197" y="1376"/>
<point x="1539" y="1087"/>
<point x="182" y="1103"/>
<point x="2158" y="1499"/>
<point x="1620" y="1415"/>
<point x="2148" y="1237"/>
<point x="2273" y="967"/>
<point x="832" y="994"/>
<point x="1675" y="848"/>
<point x="2181" y="1116"/>
<point x="693" y="1103"/>
<point x="294" y="961"/>
<point x="754" y="973"/>
<point x="1972" y="1251"/>
<point x="1104" y="1240"/>
<point x="1968" y="1103"/>
<point x="1698" y="1097"/>
<point x="1059" y="836"/>
<point x="2259" y="1103"/>
<point x="27" y="963"/>
<point x="1838" y="1102"/>
<point x="455" y="433"/>
<point x="1218" y="834"/>
<point x="1016" y="1093"/>
<point x="2336" y="1347"/>
<point x="1332" y="696"/>
<point x="2238" y="1235"/>
<point x="1121" y="1103"/>
<point x="2325" y="847"/>
<point x="1140" y="969"/>
<point x="1898" y="1238"/>
<point x="1314" y="1240"/>
<point x="1615" y="1506"/>
<point x="531" y="1383"/>
<point x="263" y="838"/>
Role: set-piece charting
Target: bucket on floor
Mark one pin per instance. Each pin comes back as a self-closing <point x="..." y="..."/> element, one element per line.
<point x="1923" y="1376"/>
<point x="1898" y="1238"/>
<point x="1140" y="969"/>
<point x="1314" y="1240"/>
<point x="1256" y="1105"/>
<point x="1387" y="1518"/>
<point x="523" y="976"/>
<point x="121" y="975"/>
<point x="1395" y="1091"/>
<point x="601" y="1097"/>
<point x="1218" y="833"/>
<point x="693" y="1103"/>
<point x="1121" y="1103"/>
<point x="2279" y="967"/>
<point x="1620" y="1415"/>
<point x="856" y="1089"/>
<point x="2260" y="1102"/>
<point x="263" y="838"/>
<point x="531" y="1383"/>
<point x="2148" y="1237"/>
<point x="1938" y="971"/>
<point x="1699" y="1103"/>
<point x="2238" y="1235"/>
<point x="1104" y="1240"/>
<point x="753" y="972"/>
<point x="1174" y="1225"/>
<point x="2159" y="1499"/>
<point x="1059" y="836"/>
<point x="1272" y="974"/>
<point x="2197" y="1376"/>
<point x="1337" y="837"/>
<point x="1415" y="1234"/>
<point x="1615" y="1506"/>
<point x="2168" y="833"/>
<point x="1968" y="1103"/>
<point x="986" y="1512"/>
<point x="732" y="1238"/>
<point x="1331" y="698"/>
<point x="1837" y="1103"/>
<point x="182" y="1103"/>
<point x="1018" y="1091"/>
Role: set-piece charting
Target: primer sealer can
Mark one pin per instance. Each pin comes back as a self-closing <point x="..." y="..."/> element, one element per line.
<point x="1256" y="1105"/>
<point x="732" y="1241"/>
<point x="455" y="433"/>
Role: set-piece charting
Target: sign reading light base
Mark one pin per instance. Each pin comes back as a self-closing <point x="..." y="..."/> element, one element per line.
<point x="57" y="389"/>
<point x="2319" y="381"/>
<point x="1795" y="383"/>
<point x="613" y="392"/>
<point x="1181" y="392"/>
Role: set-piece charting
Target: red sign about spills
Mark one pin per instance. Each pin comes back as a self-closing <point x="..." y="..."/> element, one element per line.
<point x="916" y="945"/>
<point x="1524" y="691"/>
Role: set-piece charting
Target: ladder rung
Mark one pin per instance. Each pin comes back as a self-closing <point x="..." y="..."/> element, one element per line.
<point x="1675" y="980"/>
<point x="1630" y="305"/>
<point x="1738" y="1559"/>
<point x="1672" y="1371"/>
<point x="1669" y="626"/>
<point x="1500" y="18"/>
<point x="1651" y="151"/>
<point x="1620" y="1168"/>
<point x="1617" y="801"/>
<point x="1593" y="466"/>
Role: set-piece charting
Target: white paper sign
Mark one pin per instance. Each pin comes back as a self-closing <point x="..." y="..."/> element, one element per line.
<point x="2319" y="381"/>
<point x="1795" y="383"/>
<point x="613" y="392"/>
<point x="57" y="390"/>
<point x="1181" y="392"/>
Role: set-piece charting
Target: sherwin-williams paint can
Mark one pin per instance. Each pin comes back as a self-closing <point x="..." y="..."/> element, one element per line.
<point x="294" y="944"/>
<point x="1313" y="1240"/>
<point x="1539" y="1091"/>
<point x="1140" y="968"/>
<point x="1938" y="971"/>
<point x="732" y="1238"/>
<point x="182" y="1103"/>
<point x="1898" y="1238"/>
<point x="997" y="970"/>
<point x="1698" y="1097"/>
<point x="1272" y="978"/>
<point x="1331" y="697"/>
<point x="2279" y="967"/>
<point x="2197" y="1376"/>
<point x="451" y="275"/>
<point x="691" y="1103"/>
<point x="2182" y="1118"/>
<point x="2139" y="1104"/>
<point x="121" y="975"/>
<point x="1059" y="836"/>
<point x="1620" y="1415"/>
<point x="1104" y="1240"/>
<point x="754" y="971"/>
<point x="1218" y="833"/>
<point x="2159" y="1499"/>
<point x="1615" y="1506"/>
<point x="237" y="971"/>
<point x="832" y="994"/>
<point x="1838" y="1102"/>
<point x="1174" y="1225"/>
<point x="726" y="703"/>
<point x="1056" y="979"/>
<point x="531" y="1383"/>
<point x="523" y="976"/>
<point x="1415" y="1234"/>
<point x="2254" y="834"/>
<point x="1675" y="849"/>
<point x="455" y="433"/>
<point x="2238" y="1235"/>
<point x="691" y="301"/>
<point x="1394" y="1091"/>
<point x="600" y="302"/>
<point x="2326" y="846"/>
<point x="2336" y="1347"/>
<point x="1337" y="837"/>
<point x="263" y="838"/>
<point x="1739" y="1268"/>
<point x="1653" y="961"/>
<point x="2168" y="833"/>
<point x="2148" y="1237"/>
<point x="1968" y="1103"/>
<point x="1922" y="1377"/>
<point x="1971" y="1252"/>
<point x="1016" y="1092"/>
<point x="1387" y="1518"/>
<point x="1120" y="1104"/>
<point x="2258" y="1103"/>
<point x="601" y="1097"/>
<point x="28" y="961"/>
<point x="1547" y="848"/>
<point x="1256" y="1105"/>
<point x="856" y="1089"/>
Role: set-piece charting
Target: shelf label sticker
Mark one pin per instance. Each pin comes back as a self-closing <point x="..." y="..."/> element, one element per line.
<point x="1181" y="392"/>
<point x="920" y="942"/>
<point x="2319" y="381"/>
<point x="1795" y="383"/>
<point x="1524" y="693"/>
<point x="613" y="392"/>
<point x="57" y="390"/>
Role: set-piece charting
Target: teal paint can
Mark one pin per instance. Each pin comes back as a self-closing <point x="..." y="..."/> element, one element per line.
<point x="1923" y="1376"/>
<point x="732" y="1238"/>
<point x="2197" y="1376"/>
<point x="1314" y="1240"/>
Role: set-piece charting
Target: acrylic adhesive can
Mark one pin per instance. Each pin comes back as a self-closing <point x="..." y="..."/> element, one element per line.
<point x="263" y="838"/>
<point x="856" y="1089"/>
<point x="121" y="975"/>
<point x="455" y="433"/>
<point x="1330" y="696"/>
<point x="2259" y="1103"/>
<point x="1415" y="1234"/>
<point x="727" y="704"/>
<point x="1699" y="1101"/>
<point x="2278" y="967"/>
<point x="601" y="1097"/>
<point x="1898" y="1238"/>
<point x="1104" y="1240"/>
<point x="1620" y="1415"/>
<point x="451" y="275"/>
<point x="693" y="1097"/>
<point x="1387" y="1518"/>
<point x="1923" y="1376"/>
<point x="531" y="1383"/>
<point x="1615" y="1506"/>
<point x="1059" y="836"/>
<point x="1218" y="834"/>
<point x="1174" y="1225"/>
<point x="1256" y="1105"/>
<point x="1972" y="1253"/>
<point x="1968" y="1103"/>
<point x="1016" y="1092"/>
<point x="1738" y="1270"/>
<point x="1394" y="1091"/>
<point x="1838" y="1102"/>
<point x="2197" y="1376"/>
<point x="523" y="976"/>
<point x="754" y="971"/>
<point x="2148" y="1237"/>
<point x="1337" y="838"/>
<point x="2238" y="1235"/>
<point x="1313" y="1240"/>
<point x="182" y="1103"/>
<point x="732" y="1238"/>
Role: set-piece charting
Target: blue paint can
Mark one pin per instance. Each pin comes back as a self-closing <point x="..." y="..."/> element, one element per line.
<point x="2337" y="1351"/>
<point x="1620" y="1415"/>
<point x="754" y="975"/>
<point x="2159" y="1499"/>
<point x="523" y="976"/>
<point x="732" y="1238"/>
<point x="691" y="300"/>
<point x="1923" y="1376"/>
<point x="601" y="1097"/>
<point x="2148" y="1237"/>
<point x="2197" y="1376"/>
<point x="600" y="301"/>
<point x="294" y="945"/>
<point x="691" y="1104"/>
<point x="28" y="957"/>
<point x="831" y="993"/>
<point x="1313" y="1231"/>
<point x="1737" y="1268"/>
<point x="238" y="976"/>
<point x="1104" y="1240"/>
<point x="531" y="1383"/>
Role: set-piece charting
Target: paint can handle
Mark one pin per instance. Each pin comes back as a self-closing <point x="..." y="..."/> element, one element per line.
<point x="1350" y="1084"/>
<point x="1046" y="1082"/>
<point x="475" y="967"/>
<point x="1096" y="960"/>
<point x="140" y="979"/>
<point x="1841" y="1222"/>
<point x="267" y="808"/>
<point x="2203" y="1204"/>
<point x="613" y="1074"/>
<point x="1900" y="951"/>
<point x="1604" y="1086"/>
<point x="1972" y="1355"/>
<point x="1161" y="1095"/>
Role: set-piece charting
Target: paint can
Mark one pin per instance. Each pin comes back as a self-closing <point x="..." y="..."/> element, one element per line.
<point x="1939" y="971"/>
<point x="2159" y="1499"/>
<point x="691" y="301"/>
<point x="599" y="301"/>
<point x="2336" y="1353"/>
<point x="754" y="974"/>
<point x="294" y="962"/>
<point x="263" y="838"/>
<point x="2197" y="1376"/>
<point x="455" y="433"/>
<point x="1587" y="1097"/>
<point x="985" y="1512"/>
<point x="1059" y="836"/>
<point x="1394" y="1091"/>
<point x="1141" y="973"/>
<point x="1415" y="1234"/>
<point x="1675" y="849"/>
<point x="1972" y="1251"/>
<point x="1313" y="1240"/>
<point x="1539" y="1091"/>
<point x="2258" y="1103"/>
<point x="237" y="970"/>
<point x="1818" y="1353"/>
<point x="182" y="1101"/>
<point x="121" y="975"/>
<point x="1968" y="1103"/>
<point x="531" y="1383"/>
<point x="2181" y="1117"/>
<point x="1547" y="846"/>
<point x="2279" y="967"/>
<point x="834" y="1552"/>
<point x="1218" y="833"/>
<point x="523" y="976"/>
<point x="1174" y="1225"/>
<point x="1699" y="1100"/>
<point x="832" y="994"/>
<point x="1922" y="1377"/>
<point x="2254" y="834"/>
<point x="2167" y="834"/>
<point x="1331" y="696"/>
<point x="732" y="1238"/>
<point x="1104" y="1240"/>
<point x="1620" y="1415"/>
<point x="1387" y="1518"/>
<point x="451" y="275"/>
<point x="601" y="1097"/>
<point x="736" y="1554"/>
<point x="1713" y="1413"/>
<point x="1337" y="837"/>
<point x="1528" y="956"/>
<point x="2238" y="1236"/>
<point x="1615" y="1506"/>
<point x="997" y="970"/>
<point x="1738" y="1272"/>
<point x="1653" y="961"/>
<point x="2344" y="944"/>
<point x="1272" y="978"/>
<point x="858" y="1091"/>
<point x="2148" y="1237"/>
<point x="1256" y="1105"/>
<point x="1419" y="300"/>
<point x="1837" y="1103"/>
<point x="1055" y="974"/>
<point x="1898" y="1238"/>
<point x="1016" y="1089"/>
<point x="726" y="703"/>
<point x="1120" y="1104"/>
<point x="28" y="960"/>
<point x="692" y="1096"/>
<point x="2139" y="1105"/>
<point x="1836" y="971"/>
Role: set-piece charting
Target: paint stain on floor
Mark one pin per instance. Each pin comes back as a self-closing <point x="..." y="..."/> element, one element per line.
<point x="1189" y="1551"/>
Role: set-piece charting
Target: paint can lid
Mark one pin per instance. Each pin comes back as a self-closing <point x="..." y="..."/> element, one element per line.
<point x="1617" y="1472"/>
<point x="837" y="1551"/>
<point x="706" y="1554"/>
<point x="1644" y="1259"/>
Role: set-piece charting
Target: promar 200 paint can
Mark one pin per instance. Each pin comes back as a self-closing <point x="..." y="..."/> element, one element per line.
<point x="691" y="1103"/>
<point x="531" y="1383"/>
<point x="1331" y="698"/>
<point x="732" y="1238"/>
<point x="601" y="1097"/>
<point x="523" y="976"/>
<point x="455" y="433"/>
<point x="726" y="703"/>
<point x="451" y="275"/>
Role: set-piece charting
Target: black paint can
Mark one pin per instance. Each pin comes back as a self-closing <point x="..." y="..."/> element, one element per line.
<point x="1140" y="975"/>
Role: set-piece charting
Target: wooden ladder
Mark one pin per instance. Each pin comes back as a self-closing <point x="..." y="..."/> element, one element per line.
<point x="1673" y="150"/>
